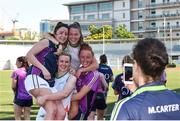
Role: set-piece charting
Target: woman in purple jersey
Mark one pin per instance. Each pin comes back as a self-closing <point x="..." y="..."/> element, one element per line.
<point x="87" y="86"/>
<point x="44" y="60"/>
<point x="22" y="100"/>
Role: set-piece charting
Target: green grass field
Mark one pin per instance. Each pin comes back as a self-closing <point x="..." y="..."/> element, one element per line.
<point x="6" y="95"/>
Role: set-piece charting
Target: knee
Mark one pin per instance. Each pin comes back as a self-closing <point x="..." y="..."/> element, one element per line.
<point x="51" y="110"/>
<point x="91" y="116"/>
<point x="60" y="115"/>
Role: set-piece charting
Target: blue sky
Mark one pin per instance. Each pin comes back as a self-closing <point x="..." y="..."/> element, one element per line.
<point x="30" y="12"/>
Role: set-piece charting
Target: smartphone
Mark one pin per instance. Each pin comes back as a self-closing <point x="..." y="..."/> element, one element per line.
<point x="128" y="73"/>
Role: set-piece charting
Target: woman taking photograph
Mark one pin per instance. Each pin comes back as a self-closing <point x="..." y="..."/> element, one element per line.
<point x="152" y="100"/>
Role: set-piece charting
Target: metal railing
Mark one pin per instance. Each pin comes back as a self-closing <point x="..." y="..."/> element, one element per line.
<point x="163" y="4"/>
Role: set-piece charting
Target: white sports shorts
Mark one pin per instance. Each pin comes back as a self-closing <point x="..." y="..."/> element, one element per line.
<point x="33" y="81"/>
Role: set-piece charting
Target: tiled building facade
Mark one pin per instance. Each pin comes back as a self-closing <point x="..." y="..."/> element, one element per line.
<point x="145" y="18"/>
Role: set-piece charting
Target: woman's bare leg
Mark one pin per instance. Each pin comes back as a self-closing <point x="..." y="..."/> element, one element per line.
<point x="27" y="111"/>
<point x="17" y="112"/>
<point x="49" y="106"/>
<point x="73" y="110"/>
<point x="60" y="115"/>
<point x="91" y="115"/>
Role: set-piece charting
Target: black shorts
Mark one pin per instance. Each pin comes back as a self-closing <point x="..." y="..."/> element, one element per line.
<point x="100" y="102"/>
<point x="23" y="103"/>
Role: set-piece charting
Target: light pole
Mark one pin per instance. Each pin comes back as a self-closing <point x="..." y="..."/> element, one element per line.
<point x="103" y="42"/>
<point x="14" y="22"/>
<point x="171" y="42"/>
<point x="164" y="30"/>
<point x="158" y="32"/>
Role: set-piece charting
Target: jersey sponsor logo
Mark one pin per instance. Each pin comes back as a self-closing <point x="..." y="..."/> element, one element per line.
<point x="107" y="76"/>
<point x="163" y="108"/>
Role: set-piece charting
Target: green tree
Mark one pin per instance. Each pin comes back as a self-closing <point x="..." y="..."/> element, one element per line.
<point x="27" y="36"/>
<point x="97" y="33"/>
<point x="11" y="38"/>
<point x="122" y="33"/>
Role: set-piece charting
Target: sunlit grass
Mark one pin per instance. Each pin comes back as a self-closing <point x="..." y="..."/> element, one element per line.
<point x="6" y="94"/>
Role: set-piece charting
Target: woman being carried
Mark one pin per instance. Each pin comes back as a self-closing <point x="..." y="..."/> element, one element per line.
<point x="44" y="66"/>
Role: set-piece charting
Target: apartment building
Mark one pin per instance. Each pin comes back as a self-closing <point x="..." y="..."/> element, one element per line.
<point x="145" y="18"/>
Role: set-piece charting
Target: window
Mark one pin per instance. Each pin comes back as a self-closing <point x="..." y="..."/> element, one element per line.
<point x="168" y="24"/>
<point x="91" y="8"/>
<point x="76" y="9"/>
<point x="140" y="36"/>
<point x="105" y="6"/>
<point x="90" y="17"/>
<point x="76" y="17"/>
<point x="177" y="11"/>
<point x="140" y="3"/>
<point x="140" y="26"/>
<point x="153" y="24"/>
<point x="105" y="16"/>
<point x="177" y="23"/>
<point x="52" y="28"/>
<point x="124" y="4"/>
<point x="44" y="27"/>
<point x="124" y="15"/>
<point x="177" y="34"/>
<point x="153" y="12"/>
<point x="84" y="27"/>
<point x="153" y="1"/>
<point x="140" y="14"/>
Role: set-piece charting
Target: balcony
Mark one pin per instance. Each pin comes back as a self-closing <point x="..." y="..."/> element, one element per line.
<point x="152" y="17"/>
<point x="163" y="5"/>
<point x="161" y="28"/>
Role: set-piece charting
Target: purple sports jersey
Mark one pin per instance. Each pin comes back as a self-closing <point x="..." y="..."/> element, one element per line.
<point x="20" y="75"/>
<point x="92" y="80"/>
<point x="47" y="58"/>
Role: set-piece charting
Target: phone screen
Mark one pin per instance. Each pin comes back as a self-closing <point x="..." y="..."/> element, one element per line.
<point x="128" y="73"/>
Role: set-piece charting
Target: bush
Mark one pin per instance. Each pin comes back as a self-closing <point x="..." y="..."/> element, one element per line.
<point x="171" y="65"/>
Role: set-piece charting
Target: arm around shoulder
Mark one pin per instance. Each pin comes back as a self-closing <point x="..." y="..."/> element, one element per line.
<point x="68" y="88"/>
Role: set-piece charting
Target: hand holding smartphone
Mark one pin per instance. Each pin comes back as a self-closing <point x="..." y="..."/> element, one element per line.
<point x="128" y="73"/>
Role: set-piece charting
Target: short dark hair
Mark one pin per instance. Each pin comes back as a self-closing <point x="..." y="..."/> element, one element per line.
<point x="152" y="57"/>
<point x="65" y="54"/>
<point x="103" y="59"/>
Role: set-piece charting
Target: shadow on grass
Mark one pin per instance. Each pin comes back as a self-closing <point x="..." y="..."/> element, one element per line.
<point x="110" y="107"/>
<point x="35" y="107"/>
<point x="177" y="90"/>
<point x="9" y="115"/>
<point x="9" y="104"/>
<point x="6" y="115"/>
<point x="6" y="112"/>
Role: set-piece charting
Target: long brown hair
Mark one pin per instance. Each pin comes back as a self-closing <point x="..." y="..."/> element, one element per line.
<point x="76" y="25"/>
